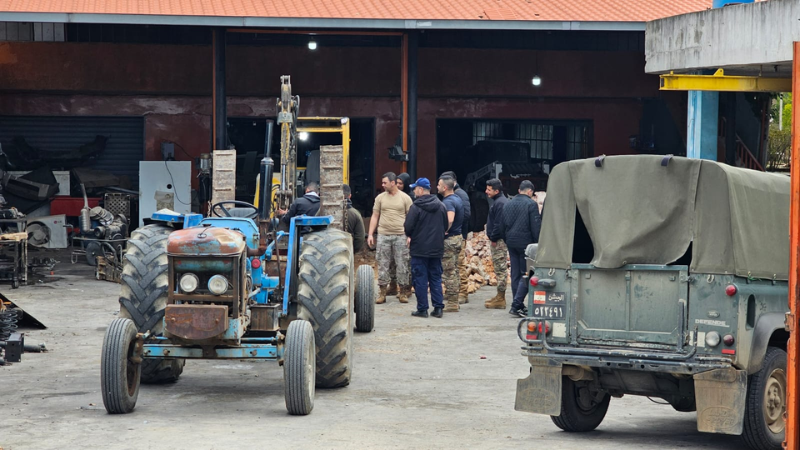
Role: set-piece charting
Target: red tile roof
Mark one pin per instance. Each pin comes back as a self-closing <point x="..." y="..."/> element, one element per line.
<point x="537" y="10"/>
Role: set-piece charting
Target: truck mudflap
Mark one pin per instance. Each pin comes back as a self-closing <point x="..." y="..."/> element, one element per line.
<point x="721" y="395"/>
<point x="540" y="392"/>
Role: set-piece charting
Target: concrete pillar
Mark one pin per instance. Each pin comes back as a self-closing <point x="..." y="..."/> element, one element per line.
<point x="702" y="123"/>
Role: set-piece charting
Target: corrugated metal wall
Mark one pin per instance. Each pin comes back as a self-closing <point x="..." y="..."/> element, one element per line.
<point x="124" y="149"/>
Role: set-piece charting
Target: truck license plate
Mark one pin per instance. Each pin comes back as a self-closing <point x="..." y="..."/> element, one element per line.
<point x="548" y="312"/>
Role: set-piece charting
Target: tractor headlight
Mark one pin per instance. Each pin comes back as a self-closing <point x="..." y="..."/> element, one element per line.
<point x="218" y="285"/>
<point x="189" y="283"/>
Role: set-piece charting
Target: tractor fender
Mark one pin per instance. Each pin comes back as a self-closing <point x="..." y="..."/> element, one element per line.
<point x="766" y="325"/>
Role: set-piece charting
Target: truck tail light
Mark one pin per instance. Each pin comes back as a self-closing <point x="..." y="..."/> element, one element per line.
<point x="534" y="281"/>
<point x="535" y="329"/>
<point x="731" y="290"/>
<point x="729" y="340"/>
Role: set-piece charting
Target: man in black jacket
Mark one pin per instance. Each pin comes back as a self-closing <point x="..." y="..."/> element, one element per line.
<point x="520" y="227"/>
<point x="494" y="190"/>
<point x="425" y="227"/>
<point x="462" y="260"/>
<point x="306" y="205"/>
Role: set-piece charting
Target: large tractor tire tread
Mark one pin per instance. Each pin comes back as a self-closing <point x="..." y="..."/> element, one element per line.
<point x="119" y="376"/>
<point x="143" y="295"/>
<point x="365" y="299"/>
<point x="325" y="294"/>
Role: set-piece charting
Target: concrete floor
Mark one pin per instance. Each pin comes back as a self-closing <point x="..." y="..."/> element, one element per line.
<point x="418" y="383"/>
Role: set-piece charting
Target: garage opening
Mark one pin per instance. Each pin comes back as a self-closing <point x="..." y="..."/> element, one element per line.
<point x="477" y="150"/>
<point x="248" y="136"/>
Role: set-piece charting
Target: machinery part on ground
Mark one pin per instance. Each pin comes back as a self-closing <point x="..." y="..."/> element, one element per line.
<point x="365" y="298"/>
<point x="143" y="296"/>
<point x="9" y="319"/>
<point x="582" y="407"/>
<point x="764" y="417"/>
<point x="325" y="296"/>
<point x="299" y="368"/>
<point x="120" y="368"/>
<point x="108" y="268"/>
<point x="93" y="250"/>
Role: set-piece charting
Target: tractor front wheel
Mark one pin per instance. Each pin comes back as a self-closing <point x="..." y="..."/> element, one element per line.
<point x="120" y="372"/>
<point x="299" y="368"/>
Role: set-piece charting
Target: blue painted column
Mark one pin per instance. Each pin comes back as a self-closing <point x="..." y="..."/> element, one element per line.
<point x="702" y="123"/>
<point x="703" y="115"/>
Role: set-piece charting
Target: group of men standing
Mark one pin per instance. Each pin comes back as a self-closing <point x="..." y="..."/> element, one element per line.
<point x="431" y="235"/>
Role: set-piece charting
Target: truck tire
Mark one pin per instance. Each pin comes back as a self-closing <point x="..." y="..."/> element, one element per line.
<point x="119" y="375"/>
<point x="581" y="409"/>
<point x="365" y="299"/>
<point x="143" y="295"/>
<point x="764" y="425"/>
<point x="299" y="368"/>
<point x="325" y="297"/>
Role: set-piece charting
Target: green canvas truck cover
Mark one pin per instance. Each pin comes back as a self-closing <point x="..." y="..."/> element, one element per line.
<point x="643" y="209"/>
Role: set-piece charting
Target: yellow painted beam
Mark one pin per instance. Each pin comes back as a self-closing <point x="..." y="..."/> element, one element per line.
<point x="724" y="83"/>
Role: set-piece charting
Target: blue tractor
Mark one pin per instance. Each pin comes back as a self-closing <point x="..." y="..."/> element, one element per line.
<point x="233" y="286"/>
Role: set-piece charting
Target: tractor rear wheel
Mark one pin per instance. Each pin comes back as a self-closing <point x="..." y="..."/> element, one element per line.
<point x="365" y="298"/>
<point x="119" y="373"/>
<point x="325" y="296"/>
<point x="143" y="296"/>
<point x="299" y="368"/>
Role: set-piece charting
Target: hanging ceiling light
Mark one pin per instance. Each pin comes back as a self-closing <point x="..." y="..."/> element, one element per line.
<point x="312" y="44"/>
<point x="537" y="80"/>
<point x="303" y="136"/>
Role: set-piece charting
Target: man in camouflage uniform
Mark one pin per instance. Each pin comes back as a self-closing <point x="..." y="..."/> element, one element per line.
<point x="494" y="190"/>
<point x="452" y="243"/>
<point x="388" y="217"/>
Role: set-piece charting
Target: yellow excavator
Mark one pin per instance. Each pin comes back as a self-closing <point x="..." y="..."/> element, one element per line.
<point x="288" y="182"/>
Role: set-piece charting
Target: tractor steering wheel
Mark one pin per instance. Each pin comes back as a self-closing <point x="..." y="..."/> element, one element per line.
<point x="236" y="204"/>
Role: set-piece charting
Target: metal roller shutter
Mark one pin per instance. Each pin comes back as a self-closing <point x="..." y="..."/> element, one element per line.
<point x="124" y="149"/>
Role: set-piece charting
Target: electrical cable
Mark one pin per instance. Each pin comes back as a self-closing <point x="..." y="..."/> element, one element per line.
<point x="174" y="190"/>
<point x="658" y="403"/>
<point x="191" y="158"/>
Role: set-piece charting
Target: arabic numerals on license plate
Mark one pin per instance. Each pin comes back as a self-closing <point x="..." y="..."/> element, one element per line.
<point x="548" y="312"/>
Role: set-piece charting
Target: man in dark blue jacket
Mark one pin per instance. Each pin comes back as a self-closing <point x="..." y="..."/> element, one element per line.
<point x="520" y="227"/>
<point x="425" y="226"/>
<point x="494" y="190"/>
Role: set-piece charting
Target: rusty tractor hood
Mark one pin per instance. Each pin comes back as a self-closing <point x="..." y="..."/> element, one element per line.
<point x="212" y="241"/>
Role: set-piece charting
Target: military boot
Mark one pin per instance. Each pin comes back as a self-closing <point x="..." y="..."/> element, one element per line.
<point x="451" y="304"/>
<point x="497" y="302"/>
<point x="381" y="296"/>
<point x="402" y="296"/>
<point x="392" y="289"/>
<point x="462" y="299"/>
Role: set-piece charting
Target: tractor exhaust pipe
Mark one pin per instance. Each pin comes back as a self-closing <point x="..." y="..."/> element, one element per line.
<point x="267" y="168"/>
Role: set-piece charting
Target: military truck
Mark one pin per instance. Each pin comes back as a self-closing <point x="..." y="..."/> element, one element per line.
<point x="664" y="277"/>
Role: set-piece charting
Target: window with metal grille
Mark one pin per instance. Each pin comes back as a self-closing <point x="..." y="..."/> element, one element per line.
<point x="541" y="137"/>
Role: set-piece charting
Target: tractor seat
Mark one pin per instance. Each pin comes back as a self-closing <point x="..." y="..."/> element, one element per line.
<point x="242" y="212"/>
